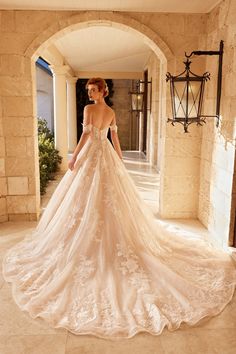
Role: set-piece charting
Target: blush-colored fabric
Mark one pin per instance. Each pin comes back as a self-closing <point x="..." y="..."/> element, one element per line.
<point x="99" y="263"/>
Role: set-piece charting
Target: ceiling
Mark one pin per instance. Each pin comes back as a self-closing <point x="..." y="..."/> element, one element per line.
<point x="112" y="50"/>
<point x="182" y="6"/>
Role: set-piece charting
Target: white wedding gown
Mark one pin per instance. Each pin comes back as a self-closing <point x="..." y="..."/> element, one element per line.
<point x="99" y="263"/>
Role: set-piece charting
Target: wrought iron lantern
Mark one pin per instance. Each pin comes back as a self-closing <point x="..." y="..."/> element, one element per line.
<point x="187" y="92"/>
<point x="139" y="94"/>
<point x="137" y="98"/>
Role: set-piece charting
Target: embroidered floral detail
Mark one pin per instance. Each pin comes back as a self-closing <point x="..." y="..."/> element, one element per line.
<point x="110" y="199"/>
<point x="83" y="270"/>
<point x="83" y="311"/>
<point x="106" y="310"/>
<point x="150" y="317"/>
<point x="129" y="265"/>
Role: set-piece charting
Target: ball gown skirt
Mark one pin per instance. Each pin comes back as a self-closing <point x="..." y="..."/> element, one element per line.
<point x="99" y="263"/>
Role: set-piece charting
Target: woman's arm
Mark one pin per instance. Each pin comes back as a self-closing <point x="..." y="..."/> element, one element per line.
<point x="83" y="139"/>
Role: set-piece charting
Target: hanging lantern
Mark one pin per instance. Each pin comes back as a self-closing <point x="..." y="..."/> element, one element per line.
<point x="137" y="101"/>
<point x="137" y="98"/>
<point x="187" y="92"/>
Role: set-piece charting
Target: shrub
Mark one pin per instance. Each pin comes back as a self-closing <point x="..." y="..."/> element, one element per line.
<point x="49" y="158"/>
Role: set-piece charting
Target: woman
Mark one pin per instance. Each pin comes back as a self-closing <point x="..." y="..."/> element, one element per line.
<point x="98" y="263"/>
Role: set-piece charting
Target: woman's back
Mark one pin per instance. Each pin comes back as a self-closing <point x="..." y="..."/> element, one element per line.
<point x="100" y="115"/>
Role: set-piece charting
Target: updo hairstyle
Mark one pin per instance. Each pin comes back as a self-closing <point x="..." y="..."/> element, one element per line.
<point x="100" y="83"/>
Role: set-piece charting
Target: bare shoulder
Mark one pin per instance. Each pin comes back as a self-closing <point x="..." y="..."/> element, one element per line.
<point x="111" y="112"/>
<point x="88" y="108"/>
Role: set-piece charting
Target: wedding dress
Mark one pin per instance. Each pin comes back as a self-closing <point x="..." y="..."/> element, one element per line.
<point x="99" y="263"/>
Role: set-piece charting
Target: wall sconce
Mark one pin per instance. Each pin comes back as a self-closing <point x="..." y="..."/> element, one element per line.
<point x="137" y="96"/>
<point x="187" y="91"/>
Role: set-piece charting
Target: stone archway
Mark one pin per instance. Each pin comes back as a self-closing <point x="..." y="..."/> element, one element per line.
<point x="82" y="20"/>
<point x="22" y="198"/>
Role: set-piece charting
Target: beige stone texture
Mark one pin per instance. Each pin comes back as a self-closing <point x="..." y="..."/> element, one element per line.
<point x="18" y="185"/>
<point x="17" y="106"/>
<point x="19" y="166"/>
<point x="3" y="186"/>
<point x="182" y="166"/>
<point x="18" y="126"/>
<point x="1" y="111"/>
<point x="31" y="185"/>
<point x="2" y="167"/>
<point x="23" y="216"/>
<point x="3" y="218"/>
<point x="1" y="127"/>
<point x="12" y="65"/>
<point x="177" y="185"/>
<point x="16" y="146"/>
<point x="13" y="86"/>
<point x="30" y="146"/>
<point x="121" y="106"/>
<point x="2" y="147"/>
<point x="218" y="145"/>
<point x="21" y="204"/>
<point x="3" y="206"/>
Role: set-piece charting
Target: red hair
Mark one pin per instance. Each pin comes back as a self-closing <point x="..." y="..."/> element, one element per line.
<point x="100" y="83"/>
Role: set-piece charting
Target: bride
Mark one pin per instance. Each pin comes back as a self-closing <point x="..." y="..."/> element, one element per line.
<point x="99" y="263"/>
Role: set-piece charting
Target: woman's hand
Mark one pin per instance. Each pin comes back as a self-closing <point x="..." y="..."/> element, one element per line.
<point x="71" y="163"/>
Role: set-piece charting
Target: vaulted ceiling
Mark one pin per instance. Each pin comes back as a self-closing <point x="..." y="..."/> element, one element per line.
<point x="103" y="49"/>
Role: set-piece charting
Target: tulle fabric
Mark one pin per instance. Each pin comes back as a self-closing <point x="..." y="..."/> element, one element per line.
<point x="99" y="263"/>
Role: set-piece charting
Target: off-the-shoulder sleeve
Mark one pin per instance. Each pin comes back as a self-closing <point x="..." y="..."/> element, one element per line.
<point x="114" y="127"/>
<point x="87" y="128"/>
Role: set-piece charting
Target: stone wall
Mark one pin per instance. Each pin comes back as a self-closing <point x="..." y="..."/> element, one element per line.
<point x="121" y="100"/>
<point x="19" y="185"/>
<point x="3" y="179"/>
<point x="218" y="145"/>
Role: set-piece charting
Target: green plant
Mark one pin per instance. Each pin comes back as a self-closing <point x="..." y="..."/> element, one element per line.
<point x="49" y="158"/>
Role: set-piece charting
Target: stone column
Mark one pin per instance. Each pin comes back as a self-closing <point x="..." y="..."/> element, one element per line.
<point x="60" y="111"/>
<point x="71" y="113"/>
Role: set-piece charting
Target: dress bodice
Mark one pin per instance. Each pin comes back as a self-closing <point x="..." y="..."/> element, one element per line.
<point x="97" y="133"/>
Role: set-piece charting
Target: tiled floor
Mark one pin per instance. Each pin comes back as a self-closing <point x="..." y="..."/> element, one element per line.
<point x="19" y="334"/>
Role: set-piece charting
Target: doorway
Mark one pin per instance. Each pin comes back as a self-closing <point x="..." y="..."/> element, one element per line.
<point x="145" y="112"/>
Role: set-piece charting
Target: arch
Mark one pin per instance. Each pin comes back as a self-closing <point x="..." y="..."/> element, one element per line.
<point x="124" y="22"/>
<point x="96" y="18"/>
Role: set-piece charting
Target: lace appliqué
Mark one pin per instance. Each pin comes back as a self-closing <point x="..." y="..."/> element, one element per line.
<point x="86" y="309"/>
<point x="83" y="311"/>
<point x="87" y="128"/>
<point x="111" y="200"/>
<point x="130" y="267"/>
<point x="83" y="271"/>
<point x="33" y="280"/>
<point x="150" y="317"/>
<point x="106" y="310"/>
<point x="114" y="127"/>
